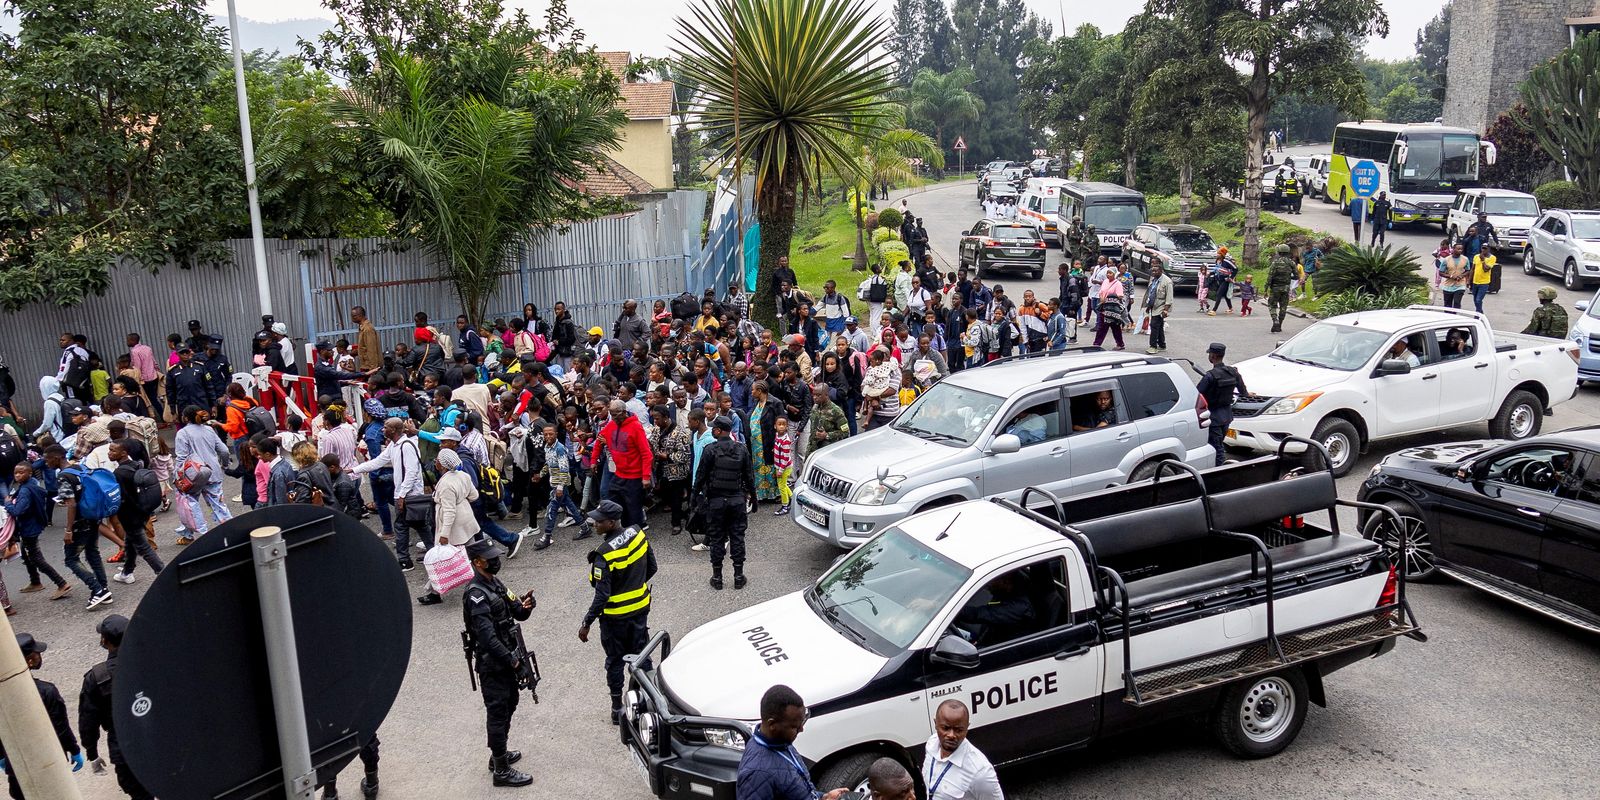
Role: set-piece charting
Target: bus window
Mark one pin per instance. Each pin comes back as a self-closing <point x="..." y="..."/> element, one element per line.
<point x="1114" y="217"/>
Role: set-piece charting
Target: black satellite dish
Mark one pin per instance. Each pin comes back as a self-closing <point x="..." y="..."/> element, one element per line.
<point x="192" y="700"/>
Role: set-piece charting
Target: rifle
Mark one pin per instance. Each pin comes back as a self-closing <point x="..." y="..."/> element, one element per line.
<point x="467" y="649"/>
<point x="527" y="664"/>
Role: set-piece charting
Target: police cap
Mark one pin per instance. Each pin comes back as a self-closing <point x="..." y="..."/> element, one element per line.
<point x="29" y="645"/>
<point x="1217" y="347"/>
<point x="484" y="547"/>
<point x="608" y="509"/>
<point x="722" y="424"/>
<point x="112" y="628"/>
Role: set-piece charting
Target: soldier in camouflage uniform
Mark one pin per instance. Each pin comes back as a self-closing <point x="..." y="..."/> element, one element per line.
<point x="1549" y="319"/>
<point x="1280" y="273"/>
<point x="1074" y="243"/>
<point x="1089" y="246"/>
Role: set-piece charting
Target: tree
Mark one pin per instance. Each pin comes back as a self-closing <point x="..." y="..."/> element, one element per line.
<point x="807" y="74"/>
<point x="1055" y="94"/>
<point x="883" y="157"/>
<point x="909" y="40"/>
<point x="1404" y="103"/>
<point x="1306" y="47"/>
<point x="943" y="101"/>
<point x="1520" y="163"/>
<point x="989" y="36"/>
<point x="1433" y="52"/>
<point x="108" y="155"/>
<point x="1563" y="101"/>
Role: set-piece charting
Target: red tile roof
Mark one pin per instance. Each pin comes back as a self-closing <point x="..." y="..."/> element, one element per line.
<point x="613" y="180"/>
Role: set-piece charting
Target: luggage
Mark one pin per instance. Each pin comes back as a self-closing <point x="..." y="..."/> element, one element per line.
<point x="193" y="476"/>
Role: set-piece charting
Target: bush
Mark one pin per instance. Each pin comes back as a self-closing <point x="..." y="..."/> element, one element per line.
<point x="1355" y="301"/>
<point x="891" y="253"/>
<point x="1560" y="194"/>
<point x="890" y="218"/>
<point x="1368" y="270"/>
<point x="880" y="235"/>
<point x="869" y="220"/>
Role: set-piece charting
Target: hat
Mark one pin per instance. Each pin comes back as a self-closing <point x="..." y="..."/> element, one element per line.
<point x="194" y="324"/>
<point x="214" y="341"/>
<point x="280" y="329"/>
<point x="449" y="435"/>
<point x="262" y="336"/>
<point x="324" y="345"/>
<point x="998" y="289"/>
<point x="851" y="321"/>
<point x="596" y="331"/>
<point x="1217" y="347"/>
<point x="113" y="628"/>
<point x="29" y="645"/>
<point x="75" y="409"/>
<point x="374" y="408"/>
<point x="484" y="547"/>
<point x="608" y="509"/>
<point x="1222" y="251"/>
<point x="1547" y="293"/>
<point x="722" y="424"/>
<point x="185" y="349"/>
<point x="448" y="459"/>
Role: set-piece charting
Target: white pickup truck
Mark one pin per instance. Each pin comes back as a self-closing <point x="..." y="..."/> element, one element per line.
<point x="1056" y="624"/>
<point x="1352" y="380"/>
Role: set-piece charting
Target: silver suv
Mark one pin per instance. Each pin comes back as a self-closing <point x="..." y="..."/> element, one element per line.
<point x="1070" y="421"/>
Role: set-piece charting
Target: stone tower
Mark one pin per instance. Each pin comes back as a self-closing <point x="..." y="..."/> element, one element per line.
<point x="1494" y="44"/>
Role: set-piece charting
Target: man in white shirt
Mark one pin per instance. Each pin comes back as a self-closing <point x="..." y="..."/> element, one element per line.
<point x="951" y="767"/>
<point x="401" y="454"/>
<point x="874" y="290"/>
<point x="902" y="284"/>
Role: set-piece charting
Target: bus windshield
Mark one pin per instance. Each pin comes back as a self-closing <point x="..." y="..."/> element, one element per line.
<point x="1114" y="217"/>
<point x="1440" y="159"/>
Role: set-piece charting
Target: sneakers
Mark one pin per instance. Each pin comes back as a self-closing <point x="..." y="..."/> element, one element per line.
<point x="700" y="548"/>
<point x="1211" y="313"/>
<point x="99" y="598"/>
<point x="781" y="510"/>
<point x="677" y="529"/>
<point x="123" y="577"/>
<point x="570" y="521"/>
<point x="583" y="533"/>
<point x="516" y="542"/>
<point x="116" y="558"/>
<point x="423" y="546"/>
<point x="1150" y="351"/>
<point x="544" y="541"/>
<point x="407" y="565"/>
<point x="185" y="540"/>
<point x="62" y="591"/>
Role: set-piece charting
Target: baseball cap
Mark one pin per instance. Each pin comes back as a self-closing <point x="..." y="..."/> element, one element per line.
<point x="596" y="331"/>
<point x="851" y="321"/>
<point x="29" y="645"/>
<point x="1218" y="347"/>
<point x="324" y="345"/>
<point x="449" y="435"/>
<point x="722" y="424"/>
<point x="113" y="628"/>
<point x="608" y="509"/>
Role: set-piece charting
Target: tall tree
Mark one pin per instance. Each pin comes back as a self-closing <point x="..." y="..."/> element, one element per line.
<point x="937" y="50"/>
<point x="107" y="153"/>
<point x="1433" y="52"/>
<point x="807" y="74"/>
<point x="1054" y="94"/>
<point x="1563" y="99"/>
<point x="909" y="40"/>
<point x="989" y="38"/>
<point x="943" y="102"/>
<point x="1284" y="47"/>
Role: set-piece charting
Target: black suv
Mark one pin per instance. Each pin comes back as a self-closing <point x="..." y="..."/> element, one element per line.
<point x="996" y="244"/>
<point x="1519" y="520"/>
<point x="1181" y="250"/>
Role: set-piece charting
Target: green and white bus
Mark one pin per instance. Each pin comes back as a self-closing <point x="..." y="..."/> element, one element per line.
<point x="1421" y="165"/>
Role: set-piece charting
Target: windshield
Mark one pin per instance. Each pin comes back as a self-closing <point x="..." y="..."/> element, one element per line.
<point x="948" y="413"/>
<point x="1049" y="204"/>
<point x="1114" y="217"/>
<point x="1588" y="229"/>
<point x="1015" y="232"/>
<point x="1439" y="159"/>
<point x="1189" y="241"/>
<point x="887" y="591"/>
<point x="1511" y="206"/>
<point x="1341" y="347"/>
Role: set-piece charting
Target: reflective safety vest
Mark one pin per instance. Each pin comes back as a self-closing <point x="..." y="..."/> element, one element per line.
<point x="626" y="560"/>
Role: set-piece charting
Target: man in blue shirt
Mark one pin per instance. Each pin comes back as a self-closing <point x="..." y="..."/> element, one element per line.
<point x="701" y="436"/>
<point x="770" y="769"/>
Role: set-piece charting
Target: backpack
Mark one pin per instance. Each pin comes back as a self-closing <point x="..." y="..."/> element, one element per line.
<point x="491" y="486"/>
<point x="541" y="347"/>
<point x="10" y="453"/>
<point x="301" y="489"/>
<point x="878" y="290"/>
<point x="443" y="340"/>
<point x="148" y="484"/>
<point x="100" y="495"/>
<point x="193" y="475"/>
<point x="260" y="420"/>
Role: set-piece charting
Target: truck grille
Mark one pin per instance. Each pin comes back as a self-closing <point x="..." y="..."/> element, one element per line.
<point x="1520" y="233"/>
<point x="829" y="484"/>
<point x="1594" y="345"/>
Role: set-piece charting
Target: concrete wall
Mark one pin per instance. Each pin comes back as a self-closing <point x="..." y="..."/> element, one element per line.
<point x="647" y="150"/>
<point x="1494" y="44"/>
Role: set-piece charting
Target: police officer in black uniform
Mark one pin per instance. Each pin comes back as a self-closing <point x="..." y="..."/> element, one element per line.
<point x="727" y="481"/>
<point x="216" y="372"/>
<point x="1219" y="385"/>
<point x="491" y="610"/>
<point x="620" y="570"/>
<point x="55" y="707"/>
<point x="94" y="709"/>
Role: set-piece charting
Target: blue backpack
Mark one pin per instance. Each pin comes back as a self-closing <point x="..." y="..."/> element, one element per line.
<point x="99" y="495"/>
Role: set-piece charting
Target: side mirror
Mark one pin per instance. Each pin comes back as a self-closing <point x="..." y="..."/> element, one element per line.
<point x="956" y="651"/>
<point x="1560" y="237"/>
<point x="1394" y="366"/>
<point x="1005" y="443"/>
<point x="1581" y="305"/>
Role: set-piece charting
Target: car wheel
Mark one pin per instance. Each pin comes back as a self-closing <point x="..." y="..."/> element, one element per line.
<point x="849" y="772"/>
<point x="1146" y="471"/>
<point x="1409" y="545"/>
<point x="1528" y="265"/>
<point x="1520" y="416"/>
<point x="1037" y="274"/>
<point x="1344" y="203"/>
<point x="1261" y="716"/>
<point x="1343" y="443"/>
<point x="1570" y="277"/>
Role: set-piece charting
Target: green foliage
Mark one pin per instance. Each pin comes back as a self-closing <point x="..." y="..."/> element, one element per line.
<point x="942" y="102"/>
<point x="1369" y="270"/>
<point x="890" y="218"/>
<point x="881" y="235"/>
<point x="892" y="252"/>
<point x="1560" y="194"/>
<point x="1351" y="302"/>
<point x="1563" y="99"/>
<point x="1401" y="91"/>
<point x="109" y="158"/>
<point x="1519" y="161"/>
<point x="1404" y="103"/>
<point x="1433" y="52"/>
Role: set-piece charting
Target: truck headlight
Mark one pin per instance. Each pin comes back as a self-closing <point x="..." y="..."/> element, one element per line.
<point x="725" y="737"/>
<point x="1291" y="404"/>
<point x="1589" y="255"/>
<point x="874" y="493"/>
<point x="646" y="725"/>
<point x="1404" y="206"/>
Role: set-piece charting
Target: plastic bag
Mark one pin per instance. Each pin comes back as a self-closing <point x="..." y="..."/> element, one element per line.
<point x="447" y="567"/>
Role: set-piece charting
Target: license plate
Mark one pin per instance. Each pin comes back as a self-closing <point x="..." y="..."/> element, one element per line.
<point x="813" y="516"/>
<point x="638" y="762"/>
<point x="1017" y="252"/>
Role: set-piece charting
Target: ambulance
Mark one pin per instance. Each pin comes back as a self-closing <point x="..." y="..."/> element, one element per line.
<point x="1040" y="199"/>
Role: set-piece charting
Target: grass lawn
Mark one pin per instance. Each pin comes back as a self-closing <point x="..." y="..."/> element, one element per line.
<point x="824" y="240"/>
<point x="1224" y="220"/>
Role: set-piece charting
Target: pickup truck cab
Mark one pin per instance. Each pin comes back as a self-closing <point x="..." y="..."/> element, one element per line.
<point x="1177" y="595"/>
<point x="998" y="429"/>
<point x="1351" y="380"/>
<point x="1512" y="213"/>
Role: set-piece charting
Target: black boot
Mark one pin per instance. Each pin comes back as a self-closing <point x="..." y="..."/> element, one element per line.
<point x="369" y="785"/>
<point x="330" y="791"/>
<point x="738" y="578"/>
<point x="543" y="542"/>
<point x="716" y="580"/>
<point x="504" y="775"/>
<point x="512" y="757"/>
<point x="616" y="709"/>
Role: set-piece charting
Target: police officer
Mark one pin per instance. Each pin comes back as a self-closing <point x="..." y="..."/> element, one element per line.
<point x="1549" y="319"/>
<point x="1290" y="187"/>
<point x="186" y="385"/>
<point x="215" y="371"/>
<point x="94" y="709"/>
<point x="1074" y="243"/>
<point x="726" y="479"/>
<point x="1280" y="275"/>
<point x="620" y="570"/>
<point x="55" y="707"/>
<point x="491" y="610"/>
<point x="1219" y="385"/>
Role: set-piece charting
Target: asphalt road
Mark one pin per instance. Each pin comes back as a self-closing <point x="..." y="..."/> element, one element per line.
<point x="1496" y="704"/>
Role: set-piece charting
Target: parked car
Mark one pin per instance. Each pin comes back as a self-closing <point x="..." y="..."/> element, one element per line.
<point x="1585" y="325"/>
<point x="1512" y="214"/>
<point x="1518" y="520"/>
<point x="1355" y="379"/>
<point x="1132" y="607"/>
<point x="1565" y="243"/>
<point x="994" y="431"/>
<point x="1181" y="250"/>
<point x="1003" y="244"/>
<point x="1315" y="175"/>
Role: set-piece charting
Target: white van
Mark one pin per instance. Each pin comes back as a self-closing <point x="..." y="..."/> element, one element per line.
<point x="1040" y="200"/>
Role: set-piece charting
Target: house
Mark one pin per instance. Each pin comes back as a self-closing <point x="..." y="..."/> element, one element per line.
<point x="646" y="148"/>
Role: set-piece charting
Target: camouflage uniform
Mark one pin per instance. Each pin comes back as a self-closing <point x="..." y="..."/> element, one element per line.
<point x="1074" y="242"/>
<point x="1548" y="319"/>
<point x="1279" y="275"/>
<point x="1089" y="246"/>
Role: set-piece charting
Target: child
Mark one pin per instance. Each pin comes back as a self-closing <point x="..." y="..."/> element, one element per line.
<point x="558" y="469"/>
<point x="1247" y="292"/>
<point x="1200" y="287"/>
<point x="291" y="434"/>
<point x="782" y="458"/>
<point x="346" y="489"/>
<point x="908" y="388"/>
<point x="99" y="379"/>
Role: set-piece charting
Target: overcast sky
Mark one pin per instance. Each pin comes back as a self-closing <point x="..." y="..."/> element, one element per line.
<point x="646" y="28"/>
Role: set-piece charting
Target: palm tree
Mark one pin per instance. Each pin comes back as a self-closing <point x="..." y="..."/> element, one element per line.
<point x="943" y="100"/>
<point x="885" y="157"/>
<point x="794" y="77"/>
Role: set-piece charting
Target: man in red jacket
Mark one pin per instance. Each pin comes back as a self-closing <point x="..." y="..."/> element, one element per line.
<point x="624" y="440"/>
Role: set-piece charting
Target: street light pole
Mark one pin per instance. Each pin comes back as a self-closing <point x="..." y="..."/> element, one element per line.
<point x="263" y="290"/>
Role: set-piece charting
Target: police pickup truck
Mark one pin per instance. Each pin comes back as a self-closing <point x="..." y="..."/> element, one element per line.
<point x="1190" y="592"/>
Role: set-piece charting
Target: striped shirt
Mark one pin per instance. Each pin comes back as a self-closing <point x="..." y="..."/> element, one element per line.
<point x="782" y="451"/>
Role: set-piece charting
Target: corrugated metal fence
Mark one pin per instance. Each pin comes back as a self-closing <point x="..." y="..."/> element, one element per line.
<point x="592" y="266"/>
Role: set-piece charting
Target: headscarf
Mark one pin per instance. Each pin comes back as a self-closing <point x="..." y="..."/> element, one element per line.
<point x="448" y="459"/>
<point x="374" y="408"/>
<point x="424" y="335"/>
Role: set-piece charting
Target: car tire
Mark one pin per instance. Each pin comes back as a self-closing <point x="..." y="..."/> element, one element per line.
<point x="1519" y="417"/>
<point x="1260" y="716"/>
<point x="1412" y="546"/>
<point x="1528" y="265"/>
<point x="1037" y="274"/>
<point x="1343" y="443"/>
<point x="1344" y="203"/>
<point x="849" y="772"/>
<point x="1569" y="276"/>
<point x="1146" y="471"/>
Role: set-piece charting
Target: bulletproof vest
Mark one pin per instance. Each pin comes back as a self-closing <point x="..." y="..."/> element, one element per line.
<point x="727" y="469"/>
<point x="500" y="599"/>
<point x="626" y="557"/>
<point x="1224" y="383"/>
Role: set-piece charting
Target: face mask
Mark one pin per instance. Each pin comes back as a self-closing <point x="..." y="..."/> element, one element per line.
<point x="493" y="566"/>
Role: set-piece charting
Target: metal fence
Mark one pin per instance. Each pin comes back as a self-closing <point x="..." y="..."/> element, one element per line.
<point x="592" y="266"/>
